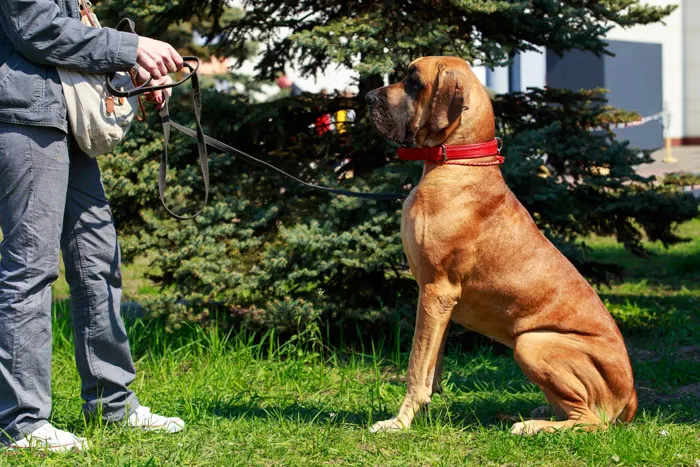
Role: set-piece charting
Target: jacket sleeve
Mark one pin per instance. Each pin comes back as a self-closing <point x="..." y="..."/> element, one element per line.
<point x="37" y="30"/>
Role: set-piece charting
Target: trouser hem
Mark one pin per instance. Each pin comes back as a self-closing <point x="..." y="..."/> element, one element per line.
<point x="130" y="405"/>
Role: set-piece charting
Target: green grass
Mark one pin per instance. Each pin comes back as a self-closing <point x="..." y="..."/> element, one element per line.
<point x="252" y="401"/>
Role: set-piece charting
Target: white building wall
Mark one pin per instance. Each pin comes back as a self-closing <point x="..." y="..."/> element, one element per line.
<point x="670" y="36"/>
<point x="691" y="69"/>
<point x="533" y="69"/>
<point x="498" y="79"/>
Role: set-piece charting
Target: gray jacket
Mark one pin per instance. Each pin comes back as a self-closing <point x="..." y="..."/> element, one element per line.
<point x="38" y="35"/>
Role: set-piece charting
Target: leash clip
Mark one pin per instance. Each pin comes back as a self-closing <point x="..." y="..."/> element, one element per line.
<point x="499" y="141"/>
<point x="443" y="153"/>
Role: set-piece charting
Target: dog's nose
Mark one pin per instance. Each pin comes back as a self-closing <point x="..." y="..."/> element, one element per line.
<point x="371" y="97"/>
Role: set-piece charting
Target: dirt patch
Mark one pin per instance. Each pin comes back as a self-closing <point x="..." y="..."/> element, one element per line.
<point x="647" y="395"/>
<point x="689" y="390"/>
<point x="643" y="355"/>
<point x="650" y="396"/>
<point x="687" y="352"/>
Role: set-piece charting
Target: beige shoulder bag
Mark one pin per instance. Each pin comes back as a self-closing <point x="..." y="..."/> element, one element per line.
<point x="98" y="120"/>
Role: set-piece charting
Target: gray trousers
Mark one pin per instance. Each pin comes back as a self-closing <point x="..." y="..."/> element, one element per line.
<point x="50" y="199"/>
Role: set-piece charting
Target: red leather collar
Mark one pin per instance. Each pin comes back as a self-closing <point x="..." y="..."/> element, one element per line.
<point x="444" y="154"/>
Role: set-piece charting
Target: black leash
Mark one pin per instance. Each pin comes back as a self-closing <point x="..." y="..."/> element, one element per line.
<point x="204" y="140"/>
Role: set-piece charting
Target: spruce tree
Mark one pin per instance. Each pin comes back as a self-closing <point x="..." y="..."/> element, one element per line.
<point x="279" y="255"/>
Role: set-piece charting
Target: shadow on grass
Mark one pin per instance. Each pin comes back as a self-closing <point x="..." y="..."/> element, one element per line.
<point x="670" y="268"/>
<point x="479" y="395"/>
<point x="648" y="314"/>
<point x="272" y="410"/>
<point x="458" y="415"/>
<point x="656" y="322"/>
<point x="657" y="302"/>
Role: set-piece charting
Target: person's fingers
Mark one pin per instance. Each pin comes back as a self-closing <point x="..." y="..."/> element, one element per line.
<point x="160" y="63"/>
<point x="176" y="58"/>
<point x="162" y="99"/>
<point x="169" y="64"/>
<point x="157" y="57"/>
<point x="149" y="65"/>
<point x="173" y="59"/>
<point x="166" y="93"/>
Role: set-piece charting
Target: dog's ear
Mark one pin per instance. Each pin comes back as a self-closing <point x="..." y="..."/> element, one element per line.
<point x="451" y="96"/>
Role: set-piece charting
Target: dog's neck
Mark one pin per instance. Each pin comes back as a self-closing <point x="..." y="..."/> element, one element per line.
<point x="475" y="125"/>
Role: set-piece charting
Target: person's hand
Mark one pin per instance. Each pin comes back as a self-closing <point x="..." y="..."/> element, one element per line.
<point x="155" y="96"/>
<point x="157" y="58"/>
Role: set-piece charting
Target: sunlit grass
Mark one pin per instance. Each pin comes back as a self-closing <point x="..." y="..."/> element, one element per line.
<point x="251" y="400"/>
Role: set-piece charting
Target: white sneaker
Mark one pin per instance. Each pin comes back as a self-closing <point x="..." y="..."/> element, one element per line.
<point x="143" y="418"/>
<point x="51" y="439"/>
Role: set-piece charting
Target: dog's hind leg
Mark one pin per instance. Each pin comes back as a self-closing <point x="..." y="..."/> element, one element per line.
<point x="587" y="389"/>
<point x="435" y="305"/>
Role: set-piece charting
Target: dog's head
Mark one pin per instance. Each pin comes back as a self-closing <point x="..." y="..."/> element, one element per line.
<point x="428" y="105"/>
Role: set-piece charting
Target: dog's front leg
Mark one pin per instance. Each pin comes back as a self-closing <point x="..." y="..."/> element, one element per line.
<point x="435" y="305"/>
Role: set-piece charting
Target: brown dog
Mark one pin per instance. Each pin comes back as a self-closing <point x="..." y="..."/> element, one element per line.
<point x="480" y="260"/>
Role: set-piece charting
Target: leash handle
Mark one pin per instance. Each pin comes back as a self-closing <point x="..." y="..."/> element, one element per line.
<point x="144" y="88"/>
<point x="127" y="24"/>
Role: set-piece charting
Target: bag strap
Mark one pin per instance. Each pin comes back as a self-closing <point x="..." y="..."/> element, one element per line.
<point x="86" y="11"/>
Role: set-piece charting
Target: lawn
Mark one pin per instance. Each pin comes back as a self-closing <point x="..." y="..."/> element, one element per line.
<point x="250" y="401"/>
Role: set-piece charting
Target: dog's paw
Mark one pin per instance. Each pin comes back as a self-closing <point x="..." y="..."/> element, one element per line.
<point x="393" y="424"/>
<point x="522" y="429"/>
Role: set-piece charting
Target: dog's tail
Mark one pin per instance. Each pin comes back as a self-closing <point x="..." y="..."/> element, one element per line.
<point x="630" y="409"/>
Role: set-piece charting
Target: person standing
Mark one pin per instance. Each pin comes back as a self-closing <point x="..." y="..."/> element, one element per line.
<point x="51" y="199"/>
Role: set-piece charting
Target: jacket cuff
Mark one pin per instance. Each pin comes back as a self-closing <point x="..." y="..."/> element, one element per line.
<point x="126" y="54"/>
